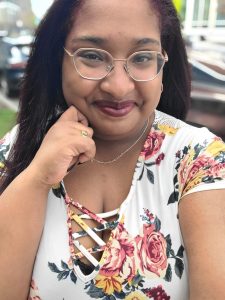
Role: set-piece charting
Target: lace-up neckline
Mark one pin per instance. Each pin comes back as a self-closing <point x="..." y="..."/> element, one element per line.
<point x="81" y="268"/>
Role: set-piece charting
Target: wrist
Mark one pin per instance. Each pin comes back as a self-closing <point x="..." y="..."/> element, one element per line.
<point x="36" y="179"/>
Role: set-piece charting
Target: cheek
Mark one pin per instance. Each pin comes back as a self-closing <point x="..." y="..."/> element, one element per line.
<point x="151" y="91"/>
<point x="74" y="87"/>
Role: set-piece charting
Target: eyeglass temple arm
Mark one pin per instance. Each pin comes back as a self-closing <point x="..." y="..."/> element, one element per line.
<point x="165" y="55"/>
<point x="70" y="54"/>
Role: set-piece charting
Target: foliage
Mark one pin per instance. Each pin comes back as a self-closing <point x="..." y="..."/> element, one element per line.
<point x="7" y="120"/>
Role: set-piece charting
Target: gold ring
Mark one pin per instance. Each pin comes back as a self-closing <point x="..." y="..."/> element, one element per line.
<point x="84" y="133"/>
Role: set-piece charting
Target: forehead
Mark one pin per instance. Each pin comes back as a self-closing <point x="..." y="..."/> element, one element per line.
<point x="116" y="20"/>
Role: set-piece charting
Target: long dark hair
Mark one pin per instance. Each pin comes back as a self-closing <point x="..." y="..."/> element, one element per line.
<point x="42" y="97"/>
<point x="175" y="99"/>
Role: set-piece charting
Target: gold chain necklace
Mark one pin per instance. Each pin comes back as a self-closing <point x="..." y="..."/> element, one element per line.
<point x="124" y="152"/>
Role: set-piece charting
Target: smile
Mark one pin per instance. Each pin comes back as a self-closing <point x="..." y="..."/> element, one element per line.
<point x="115" y="109"/>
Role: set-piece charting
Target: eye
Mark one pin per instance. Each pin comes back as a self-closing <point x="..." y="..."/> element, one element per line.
<point x="142" y="58"/>
<point x="92" y="56"/>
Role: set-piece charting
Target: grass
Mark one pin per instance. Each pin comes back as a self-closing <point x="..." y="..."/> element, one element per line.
<point x="7" y="120"/>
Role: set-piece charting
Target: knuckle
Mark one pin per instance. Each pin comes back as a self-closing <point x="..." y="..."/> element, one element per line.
<point x="91" y="131"/>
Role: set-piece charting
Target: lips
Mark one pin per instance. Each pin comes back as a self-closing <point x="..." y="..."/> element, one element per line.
<point x="115" y="109"/>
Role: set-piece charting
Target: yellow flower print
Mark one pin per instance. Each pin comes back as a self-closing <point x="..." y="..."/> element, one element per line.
<point x="216" y="147"/>
<point x="167" y="129"/>
<point x="1" y="165"/>
<point x="193" y="182"/>
<point x="136" y="296"/>
<point x="187" y="160"/>
<point x="109" y="284"/>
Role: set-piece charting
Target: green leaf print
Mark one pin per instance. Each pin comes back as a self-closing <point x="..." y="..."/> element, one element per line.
<point x="150" y="176"/>
<point x="53" y="268"/>
<point x="150" y="164"/>
<point x="168" y="276"/>
<point x="198" y="148"/>
<point x="64" y="265"/>
<point x="180" y="252"/>
<point x="137" y="280"/>
<point x="173" y="198"/>
<point x="63" y="275"/>
<point x="169" y="244"/>
<point x="141" y="175"/>
<point x="179" y="267"/>
<point x="73" y="277"/>
<point x="157" y="224"/>
<point x="121" y="295"/>
<point x="3" y="151"/>
<point x="95" y="292"/>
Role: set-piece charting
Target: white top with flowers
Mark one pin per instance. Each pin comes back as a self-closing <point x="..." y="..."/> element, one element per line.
<point x="145" y="256"/>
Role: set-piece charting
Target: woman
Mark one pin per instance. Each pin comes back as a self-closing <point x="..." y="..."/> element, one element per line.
<point x="93" y="174"/>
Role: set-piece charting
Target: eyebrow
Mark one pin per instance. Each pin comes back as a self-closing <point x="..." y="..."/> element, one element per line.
<point x="91" y="39"/>
<point x="100" y="41"/>
<point x="145" y="41"/>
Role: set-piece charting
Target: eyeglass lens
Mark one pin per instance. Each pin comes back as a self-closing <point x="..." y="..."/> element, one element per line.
<point x="96" y="64"/>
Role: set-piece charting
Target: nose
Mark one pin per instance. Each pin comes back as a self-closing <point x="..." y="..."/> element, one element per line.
<point x="118" y="83"/>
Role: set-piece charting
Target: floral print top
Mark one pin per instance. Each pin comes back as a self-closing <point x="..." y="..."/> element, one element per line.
<point x="144" y="257"/>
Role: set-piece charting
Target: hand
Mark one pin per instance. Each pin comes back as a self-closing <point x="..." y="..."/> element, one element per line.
<point x="63" y="146"/>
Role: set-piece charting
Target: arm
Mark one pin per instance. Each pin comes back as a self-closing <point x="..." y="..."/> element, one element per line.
<point x="22" y="210"/>
<point x="202" y="219"/>
<point x="23" y="203"/>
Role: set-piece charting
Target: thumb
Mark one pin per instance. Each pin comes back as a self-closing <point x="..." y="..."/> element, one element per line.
<point x="73" y="114"/>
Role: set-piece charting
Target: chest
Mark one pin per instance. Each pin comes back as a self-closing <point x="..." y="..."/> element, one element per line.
<point x="137" y="250"/>
<point x="100" y="188"/>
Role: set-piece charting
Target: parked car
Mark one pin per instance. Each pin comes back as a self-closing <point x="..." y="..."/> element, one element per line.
<point x="14" y="53"/>
<point x="208" y="88"/>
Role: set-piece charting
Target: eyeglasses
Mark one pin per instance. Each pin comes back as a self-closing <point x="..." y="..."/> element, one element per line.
<point x="96" y="64"/>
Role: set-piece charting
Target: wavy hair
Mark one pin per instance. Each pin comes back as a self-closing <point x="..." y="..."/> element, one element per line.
<point x="42" y="97"/>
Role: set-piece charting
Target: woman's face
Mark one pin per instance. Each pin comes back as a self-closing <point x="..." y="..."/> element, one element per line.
<point x="121" y="28"/>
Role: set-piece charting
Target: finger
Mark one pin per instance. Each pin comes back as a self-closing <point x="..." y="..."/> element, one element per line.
<point x="73" y="164"/>
<point x="81" y="118"/>
<point x="84" y="131"/>
<point x="72" y="114"/>
<point x="88" y="150"/>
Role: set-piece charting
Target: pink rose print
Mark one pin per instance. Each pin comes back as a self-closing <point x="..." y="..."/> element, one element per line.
<point x="2" y="141"/>
<point x="188" y="169"/>
<point x="217" y="170"/>
<point x="120" y="255"/>
<point x="152" y="252"/>
<point x="33" y="291"/>
<point x="160" y="158"/>
<point x="152" y="144"/>
<point x="157" y="293"/>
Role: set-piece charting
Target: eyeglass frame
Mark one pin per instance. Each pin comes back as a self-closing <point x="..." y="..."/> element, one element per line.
<point x="112" y="66"/>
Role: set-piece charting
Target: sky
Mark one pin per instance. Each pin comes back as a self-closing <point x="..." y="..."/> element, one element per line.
<point x="40" y="7"/>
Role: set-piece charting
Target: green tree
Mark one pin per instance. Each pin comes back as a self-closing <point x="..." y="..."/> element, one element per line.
<point x="179" y="5"/>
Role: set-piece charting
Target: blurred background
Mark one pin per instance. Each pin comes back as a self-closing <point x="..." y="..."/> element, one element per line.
<point x="203" y="26"/>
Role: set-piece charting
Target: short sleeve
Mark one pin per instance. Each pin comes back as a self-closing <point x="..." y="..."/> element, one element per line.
<point x="201" y="165"/>
<point x="5" y="145"/>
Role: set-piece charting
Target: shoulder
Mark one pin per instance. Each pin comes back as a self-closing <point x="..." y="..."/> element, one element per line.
<point x="171" y="125"/>
<point x="180" y="134"/>
<point x="176" y="140"/>
<point x="198" y="156"/>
